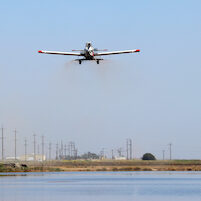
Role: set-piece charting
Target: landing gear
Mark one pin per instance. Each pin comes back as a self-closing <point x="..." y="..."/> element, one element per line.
<point x="97" y="61"/>
<point x="80" y="61"/>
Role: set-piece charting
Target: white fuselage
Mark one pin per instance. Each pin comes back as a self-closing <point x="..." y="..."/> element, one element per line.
<point x="88" y="52"/>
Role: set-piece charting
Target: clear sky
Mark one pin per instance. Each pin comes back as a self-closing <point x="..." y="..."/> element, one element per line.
<point x="153" y="97"/>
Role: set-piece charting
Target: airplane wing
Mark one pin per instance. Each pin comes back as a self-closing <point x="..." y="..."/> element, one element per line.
<point x="60" y="53"/>
<point x="116" y="52"/>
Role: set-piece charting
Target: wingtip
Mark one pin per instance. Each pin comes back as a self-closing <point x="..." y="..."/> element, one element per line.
<point x="40" y="51"/>
<point x="138" y="50"/>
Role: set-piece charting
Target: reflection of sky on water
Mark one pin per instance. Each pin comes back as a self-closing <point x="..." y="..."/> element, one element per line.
<point x="118" y="186"/>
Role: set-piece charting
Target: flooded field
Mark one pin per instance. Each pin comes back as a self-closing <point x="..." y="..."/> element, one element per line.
<point x="101" y="186"/>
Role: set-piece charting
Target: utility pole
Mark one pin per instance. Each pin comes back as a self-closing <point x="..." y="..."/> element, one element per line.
<point x="38" y="149"/>
<point x="2" y="143"/>
<point x="15" y="131"/>
<point x="75" y="153"/>
<point x="127" y="149"/>
<point x="120" y="152"/>
<point x="163" y="154"/>
<point x="102" y="153"/>
<point x="72" y="150"/>
<point x="57" y="147"/>
<point x="25" y="149"/>
<point x="50" y="147"/>
<point x="42" y="148"/>
<point x="112" y="154"/>
<point x="61" y="149"/>
<point x="68" y="150"/>
<point x="170" y="147"/>
<point x="34" y="142"/>
<point x="65" y="151"/>
<point x="131" y="149"/>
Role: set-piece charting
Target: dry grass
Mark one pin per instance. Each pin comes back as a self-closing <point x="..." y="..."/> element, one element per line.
<point x="109" y="165"/>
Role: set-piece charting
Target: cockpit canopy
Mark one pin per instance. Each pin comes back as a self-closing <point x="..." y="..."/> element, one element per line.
<point x="88" y="45"/>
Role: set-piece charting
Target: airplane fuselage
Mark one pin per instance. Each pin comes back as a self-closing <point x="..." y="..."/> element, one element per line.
<point x="89" y="52"/>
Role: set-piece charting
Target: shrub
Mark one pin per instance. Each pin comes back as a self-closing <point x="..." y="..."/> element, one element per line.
<point x="148" y="156"/>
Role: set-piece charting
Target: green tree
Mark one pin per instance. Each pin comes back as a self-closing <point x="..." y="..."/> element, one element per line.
<point x="89" y="155"/>
<point x="148" y="156"/>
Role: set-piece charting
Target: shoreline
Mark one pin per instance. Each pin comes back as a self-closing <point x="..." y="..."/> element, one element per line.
<point x="102" y="165"/>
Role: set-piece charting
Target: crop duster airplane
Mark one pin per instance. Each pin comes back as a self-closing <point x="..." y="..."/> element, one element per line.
<point x="89" y="53"/>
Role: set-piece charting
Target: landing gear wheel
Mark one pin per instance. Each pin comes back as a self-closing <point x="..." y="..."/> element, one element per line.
<point x="97" y="61"/>
<point x="80" y="61"/>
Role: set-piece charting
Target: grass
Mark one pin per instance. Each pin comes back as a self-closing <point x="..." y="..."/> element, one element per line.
<point x="107" y="165"/>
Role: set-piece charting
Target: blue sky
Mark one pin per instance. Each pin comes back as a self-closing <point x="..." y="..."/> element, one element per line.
<point x="152" y="97"/>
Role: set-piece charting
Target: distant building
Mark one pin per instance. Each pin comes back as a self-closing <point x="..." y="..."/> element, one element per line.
<point x="11" y="158"/>
<point x="30" y="157"/>
<point x="120" y="158"/>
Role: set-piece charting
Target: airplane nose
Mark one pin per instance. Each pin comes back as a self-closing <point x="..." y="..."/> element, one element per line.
<point x="91" y="53"/>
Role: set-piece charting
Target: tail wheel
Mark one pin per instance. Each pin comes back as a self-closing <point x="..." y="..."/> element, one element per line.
<point x="80" y="61"/>
<point x="97" y="61"/>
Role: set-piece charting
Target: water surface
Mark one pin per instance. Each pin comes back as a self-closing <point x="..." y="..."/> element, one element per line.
<point x="102" y="186"/>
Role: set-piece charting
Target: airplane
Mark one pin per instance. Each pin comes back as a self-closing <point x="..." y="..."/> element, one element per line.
<point x="89" y="53"/>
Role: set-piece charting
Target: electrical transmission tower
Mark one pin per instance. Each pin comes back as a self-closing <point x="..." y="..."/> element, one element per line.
<point x="42" y="143"/>
<point x="65" y="151"/>
<point x="120" y="151"/>
<point x="61" y="150"/>
<point x="72" y="150"/>
<point x="57" y="150"/>
<point x="38" y="147"/>
<point x="75" y="154"/>
<point x="102" y="153"/>
<point x="131" y="149"/>
<point x="50" y="150"/>
<point x="25" y="149"/>
<point x="2" y="143"/>
<point x="170" y="148"/>
<point x="112" y="154"/>
<point x="128" y="149"/>
<point x="15" y="132"/>
<point x="163" y="154"/>
<point x="34" y="143"/>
